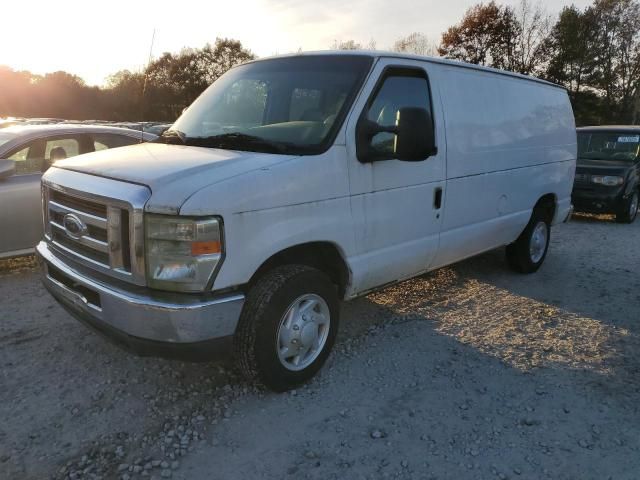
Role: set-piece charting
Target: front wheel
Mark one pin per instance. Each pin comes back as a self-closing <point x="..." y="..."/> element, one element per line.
<point x="528" y="252"/>
<point x="287" y="327"/>
<point x="629" y="210"/>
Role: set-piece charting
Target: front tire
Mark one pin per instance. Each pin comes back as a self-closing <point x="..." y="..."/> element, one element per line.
<point x="287" y="327"/>
<point x="527" y="253"/>
<point x="629" y="210"/>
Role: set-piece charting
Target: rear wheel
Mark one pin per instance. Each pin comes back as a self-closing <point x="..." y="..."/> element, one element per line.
<point x="528" y="252"/>
<point x="287" y="327"/>
<point x="629" y="210"/>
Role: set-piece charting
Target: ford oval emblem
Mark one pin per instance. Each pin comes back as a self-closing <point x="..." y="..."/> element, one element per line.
<point x="74" y="226"/>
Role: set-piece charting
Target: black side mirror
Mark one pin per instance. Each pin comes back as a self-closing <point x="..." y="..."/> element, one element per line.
<point x="7" y="168"/>
<point x="415" y="138"/>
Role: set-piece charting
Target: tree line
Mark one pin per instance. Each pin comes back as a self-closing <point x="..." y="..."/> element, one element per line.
<point x="594" y="52"/>
<point x="159" y="92"/>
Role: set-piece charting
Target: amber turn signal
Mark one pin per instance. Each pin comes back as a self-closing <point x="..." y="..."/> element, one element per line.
<point x="205" y="248"/>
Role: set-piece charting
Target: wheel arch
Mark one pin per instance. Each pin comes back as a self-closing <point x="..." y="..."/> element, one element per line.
<point x="548" y="205"/>
<point x="324" y="255"/>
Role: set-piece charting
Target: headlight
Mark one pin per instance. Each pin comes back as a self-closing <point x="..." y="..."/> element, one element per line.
<point x="607" y="180"/>
<point x="182" y="253"/>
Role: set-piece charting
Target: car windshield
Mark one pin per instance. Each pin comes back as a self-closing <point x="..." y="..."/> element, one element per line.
<point x="619" y="146"/>
<point x="286" y="105"/>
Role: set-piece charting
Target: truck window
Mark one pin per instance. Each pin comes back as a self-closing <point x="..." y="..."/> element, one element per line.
<point x="103" y="141"/>
<point x="286" y="105"/>
<point x="24" y="163"/>
<point x="243" y="105"/>
<point x="305" y="104"/>
<point x="399" y="89"/>
<point x="65" y="147"/>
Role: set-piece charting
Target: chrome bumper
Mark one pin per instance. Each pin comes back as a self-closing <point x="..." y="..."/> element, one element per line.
<point x="183" y="320"/>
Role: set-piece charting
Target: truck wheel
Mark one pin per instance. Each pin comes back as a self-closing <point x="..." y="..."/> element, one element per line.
<point x="287" y="327"/>
<point x="629" y="210"/>
<point x="528" y="252"/>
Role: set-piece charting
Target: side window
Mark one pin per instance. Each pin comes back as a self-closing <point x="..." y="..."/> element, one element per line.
<point x="20" y="155"/>
<point x="60" y="148"/>
<point x="103" y="141"/>
<point x="306" y="105"/>
<point x="407" y="88"/>
<point x="25" y="161"/>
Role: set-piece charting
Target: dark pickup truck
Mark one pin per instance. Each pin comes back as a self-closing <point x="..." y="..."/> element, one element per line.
<point x="608" y="171"/>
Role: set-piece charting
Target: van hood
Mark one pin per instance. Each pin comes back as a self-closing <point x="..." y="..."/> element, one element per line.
<point x="172" y="172"/>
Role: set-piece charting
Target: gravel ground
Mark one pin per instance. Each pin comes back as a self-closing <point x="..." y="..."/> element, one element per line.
<point x="468" y="372"/>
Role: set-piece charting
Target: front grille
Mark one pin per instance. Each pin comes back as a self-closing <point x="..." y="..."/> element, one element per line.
<point x="583" y="178"/>
<point x="105" y="239"/>
<point x="73" y="246"/>
<point x="78" y="203"/>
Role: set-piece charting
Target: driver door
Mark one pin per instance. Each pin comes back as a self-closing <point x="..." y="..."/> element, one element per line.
<point x="396" y="205"/>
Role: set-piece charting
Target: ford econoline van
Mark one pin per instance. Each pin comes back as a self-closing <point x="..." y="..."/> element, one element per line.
<point x="293" y="183"/>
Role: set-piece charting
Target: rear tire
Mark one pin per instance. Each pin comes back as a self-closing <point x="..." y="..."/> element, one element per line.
<point x="527" y="253"/>
<point x="629" y="210"/>
<point x="287" y="327"/>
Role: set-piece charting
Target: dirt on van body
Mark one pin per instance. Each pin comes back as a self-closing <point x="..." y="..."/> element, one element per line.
<point x="468" y="372"/>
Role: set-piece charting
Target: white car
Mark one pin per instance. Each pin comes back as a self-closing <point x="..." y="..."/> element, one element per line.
<point x="26" y="152"/>
<point x="295" y="182"/>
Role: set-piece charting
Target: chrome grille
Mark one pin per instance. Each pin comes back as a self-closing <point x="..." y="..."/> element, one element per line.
<point x="110" y="236"/>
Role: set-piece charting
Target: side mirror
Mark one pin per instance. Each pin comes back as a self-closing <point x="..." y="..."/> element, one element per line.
<point x="7" y="168"/>
<point x="415" y="139"/>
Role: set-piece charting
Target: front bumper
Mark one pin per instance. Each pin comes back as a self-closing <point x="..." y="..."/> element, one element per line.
<point x="149" y="323"/>
<point x="597" y="200"/>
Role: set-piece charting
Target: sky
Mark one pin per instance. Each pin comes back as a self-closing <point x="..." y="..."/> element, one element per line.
<point x="95" y="38"/>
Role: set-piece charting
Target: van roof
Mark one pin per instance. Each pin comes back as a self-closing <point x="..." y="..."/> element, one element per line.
<point x="410" y="56"/>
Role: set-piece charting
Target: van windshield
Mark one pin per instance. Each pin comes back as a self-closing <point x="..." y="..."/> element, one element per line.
<point x="618" y="146"/>
<point x="292" y="105"/>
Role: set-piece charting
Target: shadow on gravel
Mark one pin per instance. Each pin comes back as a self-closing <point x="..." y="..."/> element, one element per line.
<point x="580" y="311"/>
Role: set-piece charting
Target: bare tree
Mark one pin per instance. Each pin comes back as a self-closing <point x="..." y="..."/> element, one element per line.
<point x="353" y="45"/>
<point x="346" y="45"/>
<point x="417" y="43"/>
<point x="533" y="27"/>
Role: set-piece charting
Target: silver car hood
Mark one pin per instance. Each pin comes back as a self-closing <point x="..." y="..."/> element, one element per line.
<point x="172" y="172"/>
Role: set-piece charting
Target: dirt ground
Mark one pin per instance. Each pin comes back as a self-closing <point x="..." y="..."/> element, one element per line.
<point x="468" y="372"/>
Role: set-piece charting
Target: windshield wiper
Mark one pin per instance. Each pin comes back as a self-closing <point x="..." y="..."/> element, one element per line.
<point x="239" y="141"/>
<point x="175" y="137"/>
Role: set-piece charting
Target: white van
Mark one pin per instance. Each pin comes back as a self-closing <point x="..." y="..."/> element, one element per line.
<point x="295" y="182"/>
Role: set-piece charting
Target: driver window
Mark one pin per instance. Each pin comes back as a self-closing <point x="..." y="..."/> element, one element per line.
<point x="399" y="90"/>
